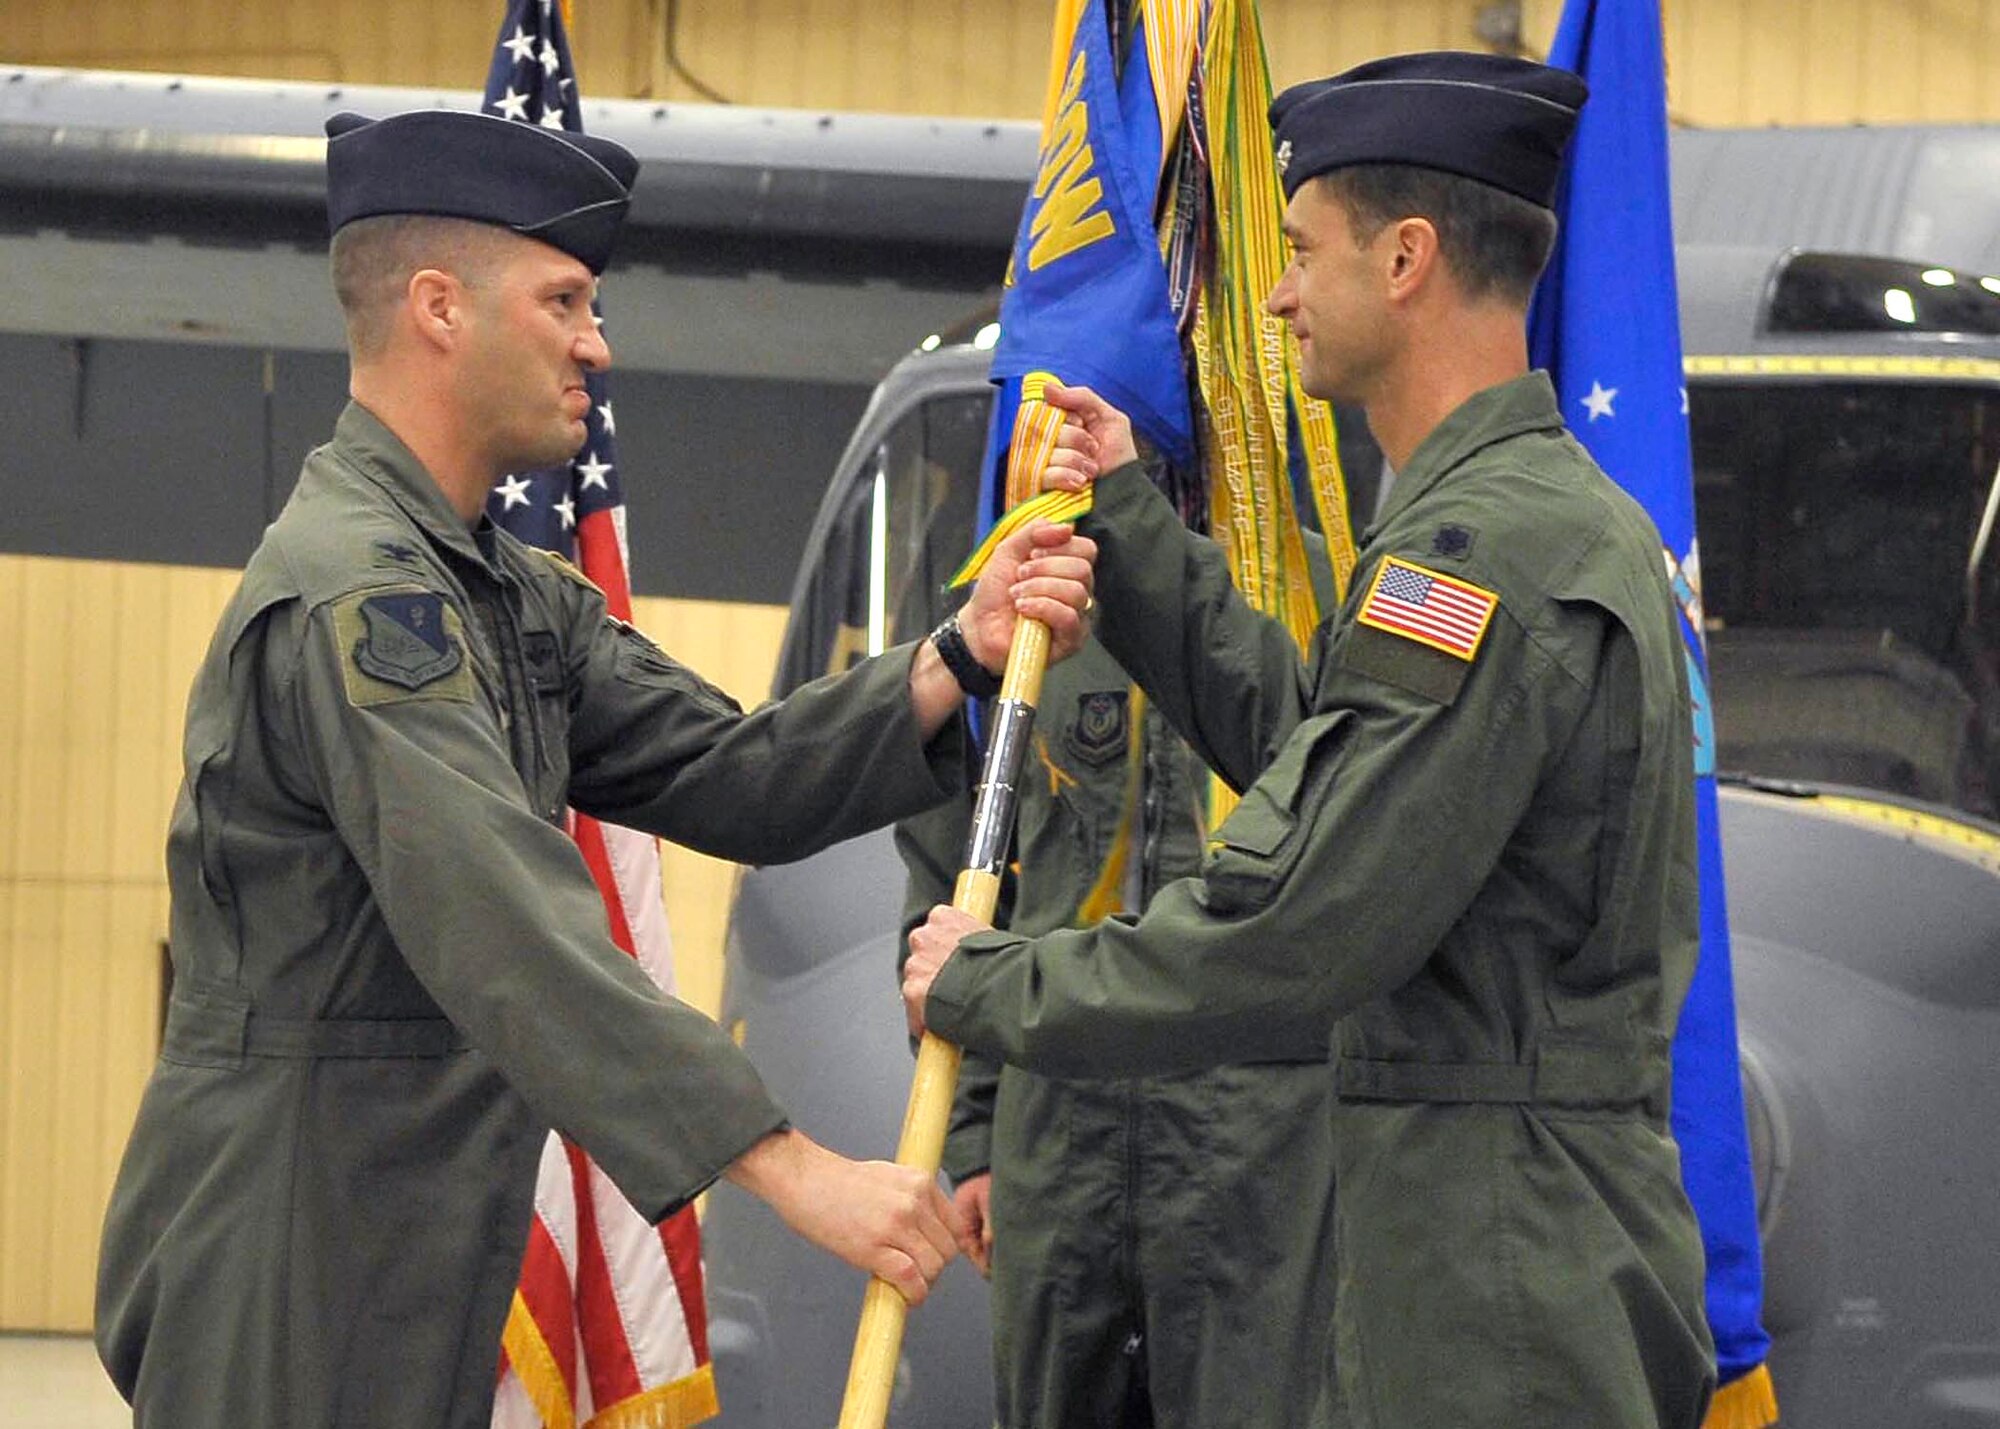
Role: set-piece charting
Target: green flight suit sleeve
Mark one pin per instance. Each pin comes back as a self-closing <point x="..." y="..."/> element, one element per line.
<point x="656" y="747"/>
<point x="932" y="845"/>
<point x="1230" y="680"/>
<point x="1330" y="885"/>
<point x="496" y="914"/>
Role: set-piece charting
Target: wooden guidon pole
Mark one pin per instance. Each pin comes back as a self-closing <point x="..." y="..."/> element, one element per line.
<point x="871" y="1375"/>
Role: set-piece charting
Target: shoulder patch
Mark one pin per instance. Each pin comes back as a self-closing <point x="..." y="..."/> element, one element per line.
<point x="1428" y="607"/>
<point x="1102" y="728"/>
<point x="400" y="645"/>
<point x="565" y="567"/>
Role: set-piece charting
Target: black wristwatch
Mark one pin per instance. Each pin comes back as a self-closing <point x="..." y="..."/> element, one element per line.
<point x="978" y="682"/>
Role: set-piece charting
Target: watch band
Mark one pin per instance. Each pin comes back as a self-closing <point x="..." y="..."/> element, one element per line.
<point x="978" y="682"/>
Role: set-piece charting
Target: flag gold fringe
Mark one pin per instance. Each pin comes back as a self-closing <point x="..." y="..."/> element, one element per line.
<point x="1247" y="361"/>
<point x="1750" y="1402"/>
<point x="685" y="1402"/>
<point x="535" y="1366"/>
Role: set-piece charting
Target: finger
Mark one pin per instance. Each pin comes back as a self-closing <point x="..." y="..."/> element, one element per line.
<point x="1065" y="623"/>
<point x="1073" y="436"/>
<point x="1045" y="536"/>
<point x="914" y="994"/>
<point x="1072" y="594"/>
<point x="929" y="1260"/>
<point x="899" y="1270"/>
<point x="1057" y="565"/>
<point x="1069" y="471"/>
<point x="949" y="1230"/>
<point x="1080" y="400"/>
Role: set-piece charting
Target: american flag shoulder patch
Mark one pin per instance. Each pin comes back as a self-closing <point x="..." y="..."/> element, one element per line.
<point x="1428" y="607"/>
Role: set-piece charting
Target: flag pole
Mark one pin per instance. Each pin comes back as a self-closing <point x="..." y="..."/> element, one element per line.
<point x="878" y="1342"/>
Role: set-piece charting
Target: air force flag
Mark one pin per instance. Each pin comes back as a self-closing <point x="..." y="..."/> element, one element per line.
<point x="1606" y="325"/>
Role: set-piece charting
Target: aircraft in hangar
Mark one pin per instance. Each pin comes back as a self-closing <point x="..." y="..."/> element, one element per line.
<point x="1841" y="308"/>
<point x="1841" y="316"/>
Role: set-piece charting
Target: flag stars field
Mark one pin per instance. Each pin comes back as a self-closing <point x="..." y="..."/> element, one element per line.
<point x="592" y="470"/>
<point x="1597" y="401"/>
<point x="522" y="45"/>
<point x="513" y="491"/>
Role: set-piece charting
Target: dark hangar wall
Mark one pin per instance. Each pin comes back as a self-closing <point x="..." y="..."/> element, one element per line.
<point x="174" y="452"/>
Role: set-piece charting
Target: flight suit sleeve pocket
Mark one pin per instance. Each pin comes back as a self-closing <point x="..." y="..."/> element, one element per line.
<point x="1255" y="849"/>
<point x="1406" y="664"/>
<point x="642" y="663"/>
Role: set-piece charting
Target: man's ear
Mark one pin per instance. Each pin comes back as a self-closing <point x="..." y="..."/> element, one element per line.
<point x="435" y="303"/>
<point x="1413" y="258"/>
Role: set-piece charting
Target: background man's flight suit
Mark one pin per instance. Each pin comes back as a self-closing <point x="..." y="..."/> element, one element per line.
<point x="1162" y="1246"/>
<point x="1479" y="875"/>
<point x="392" y="972"/>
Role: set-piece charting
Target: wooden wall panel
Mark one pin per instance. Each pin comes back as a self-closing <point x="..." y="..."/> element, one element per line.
<point x="95" y="664"/>
<point x="736" y="646"/>
<point x="1730" y="61"/>
<point x="97" y="660"/>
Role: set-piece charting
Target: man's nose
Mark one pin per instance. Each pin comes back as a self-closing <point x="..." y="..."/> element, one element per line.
<point x="593" y="349"/>
<point x="1280" y="301"/>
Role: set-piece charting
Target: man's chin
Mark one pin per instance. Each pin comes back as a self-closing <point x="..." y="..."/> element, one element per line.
<point x="557" y="451"/>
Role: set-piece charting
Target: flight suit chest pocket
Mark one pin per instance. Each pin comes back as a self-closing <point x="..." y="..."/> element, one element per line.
<point x="1257" y="848"/>
<point x="548" y="694"/>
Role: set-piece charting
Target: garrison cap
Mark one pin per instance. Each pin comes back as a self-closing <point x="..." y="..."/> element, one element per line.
<point x="568" y="190"/>
<point x="1500" y="120"/>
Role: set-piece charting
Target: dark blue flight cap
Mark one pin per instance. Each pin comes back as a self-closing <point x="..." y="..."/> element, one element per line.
<point x="1500" y="120"/>
<point x="569" y="190"/>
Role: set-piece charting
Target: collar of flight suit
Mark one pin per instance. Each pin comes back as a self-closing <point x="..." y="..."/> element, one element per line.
<point x="1524" y="404"/>
<point x="380" y="455"/>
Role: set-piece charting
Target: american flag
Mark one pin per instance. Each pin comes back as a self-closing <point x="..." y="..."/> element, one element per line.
<point x="1432" y="609"/>
<point x="608" y="1324"/>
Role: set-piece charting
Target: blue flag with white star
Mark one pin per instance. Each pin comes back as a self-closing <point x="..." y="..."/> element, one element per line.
<point x="532" y="81"/>
<point x="1606" y="324"/>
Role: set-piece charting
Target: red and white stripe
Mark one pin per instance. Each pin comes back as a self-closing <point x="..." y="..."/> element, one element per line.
<point x="1452" y="615"/>
<point x="610" y="1327"/>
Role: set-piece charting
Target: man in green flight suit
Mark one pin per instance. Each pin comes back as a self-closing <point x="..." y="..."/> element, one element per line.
<point x="393" y="972"/>
<point x="1465" y="849"/>
<point x="1136" y="1231"/>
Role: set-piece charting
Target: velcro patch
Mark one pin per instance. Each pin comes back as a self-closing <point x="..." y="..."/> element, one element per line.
<point x="1103" y="726"/>
<point x="401" y="645"/>
<point x="1428" y="607"/>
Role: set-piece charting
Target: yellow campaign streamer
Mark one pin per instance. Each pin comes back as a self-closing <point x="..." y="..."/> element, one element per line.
<point x="1058" y="506"/>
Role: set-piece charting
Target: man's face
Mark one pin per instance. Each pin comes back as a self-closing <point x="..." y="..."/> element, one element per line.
<point x="1333" y="295"/>
<point x="531" y="336"/>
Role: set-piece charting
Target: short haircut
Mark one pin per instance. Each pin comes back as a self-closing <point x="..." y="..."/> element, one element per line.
<point x="373" y="259"/>
<point x="1495" y="243"/>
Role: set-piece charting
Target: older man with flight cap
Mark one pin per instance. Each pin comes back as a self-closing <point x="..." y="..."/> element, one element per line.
<point x="392" y="971"/>
<point x="1465" y="847"/>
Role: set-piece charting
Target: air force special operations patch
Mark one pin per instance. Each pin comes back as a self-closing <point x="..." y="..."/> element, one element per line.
<point x="1103" y="726"/>
<point x="399" y="645"/>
